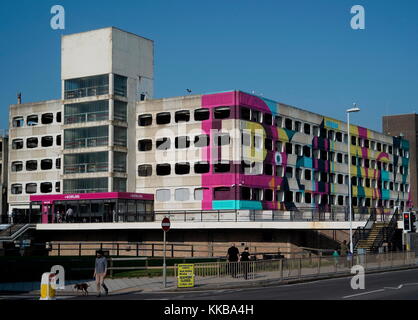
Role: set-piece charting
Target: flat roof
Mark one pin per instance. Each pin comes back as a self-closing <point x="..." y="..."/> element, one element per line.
<point x="48" y="199"/>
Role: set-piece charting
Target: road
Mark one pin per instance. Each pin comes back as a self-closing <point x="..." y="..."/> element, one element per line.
<point x="394" y="285"/>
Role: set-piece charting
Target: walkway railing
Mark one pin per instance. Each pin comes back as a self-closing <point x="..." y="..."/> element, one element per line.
<point x="287" y="269"/>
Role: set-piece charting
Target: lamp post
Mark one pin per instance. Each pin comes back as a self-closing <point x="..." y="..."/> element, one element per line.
<point x="354" y="109"/>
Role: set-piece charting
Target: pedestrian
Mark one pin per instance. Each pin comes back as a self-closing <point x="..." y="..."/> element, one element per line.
<point x="69" y="215"/>
<point x="344" y="248"/>
<point x="114" y="215"/>
<point x="233" y="257"/>
<point x="336" y="256"/>
<point x="100" y="271"/>
<point x="58" y="217"/>
<point x="245" y="259"/>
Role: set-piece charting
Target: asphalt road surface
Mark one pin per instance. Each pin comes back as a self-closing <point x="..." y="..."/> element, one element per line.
<point x="394" y="285"/>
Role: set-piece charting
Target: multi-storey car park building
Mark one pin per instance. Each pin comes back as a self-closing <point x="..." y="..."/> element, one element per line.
<point x="107" y="149"/>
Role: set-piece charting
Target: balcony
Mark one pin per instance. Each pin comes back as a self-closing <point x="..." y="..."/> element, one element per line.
<point x="87" y="142"/>
<point x="86" y="168"/>
<point x="86" y="92"/>
<point x="86" y="117"/>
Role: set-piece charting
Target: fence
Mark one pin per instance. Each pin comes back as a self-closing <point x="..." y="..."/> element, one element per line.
<point x="288" y="269"/>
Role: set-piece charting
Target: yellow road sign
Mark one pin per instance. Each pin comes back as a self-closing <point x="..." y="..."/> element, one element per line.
<point x="185" y="276"/>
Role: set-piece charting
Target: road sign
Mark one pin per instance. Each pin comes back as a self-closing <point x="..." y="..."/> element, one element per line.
<point x="165" y="224"/>
<point x="185" y="276"/>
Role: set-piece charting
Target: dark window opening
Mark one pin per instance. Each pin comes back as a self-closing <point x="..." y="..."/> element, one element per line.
<point x="58" y="140"/>
<point x="31" y="188"/>
<point x="289" y="148"/>
<point x="145" y="145"/>
<point x="222" y="112"/>
<point x="145" y="170"/>
<point x="58" y="163"/>
<point x="32" y="143"/>
<point x="47" y="141"/>
<point x="201" y="167"/>
<point x="268" y="195"/>
<point x="46" y="187"/>
<point x="17" y="166"/>
<point x="268" y="119"/>
<point x="47" y="118"/>
<point x="288" y="196"/>
<point x="339" y="136"/>
<point x="278" y="121"/>
<point x="245" y="193"/>
<point x="288" y="124"/>
<point x="222" y="193"/>
<point x="268" y="169"/>
<point x="58" y="186"/>
<point x="245" y="114"/>
<point x="222" y="167"/>
<point x="164" y="118"/>
<point x="59" y="116"/>
<point x="268" y="144"/>
<point x="16" y="189"/>
<point x="307" y="151"/>
<point x="18" y="122"/>
<point x="46" y="164"/>
<point x="31" y="165"/>
<point x="201" y="114"/>
<point x="32" y="120"/>
<point x="307" y="128"/>
<point x="163" y="169"/>
<point x="144" y="120"/>
<point x="182" y="116"/>
<point x="182" y="168"/>
<point x="353" y="140"/>
<point x="17" y="144"/>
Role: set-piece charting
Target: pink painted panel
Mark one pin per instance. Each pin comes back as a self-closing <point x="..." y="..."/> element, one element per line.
<point x="91" y="196"/>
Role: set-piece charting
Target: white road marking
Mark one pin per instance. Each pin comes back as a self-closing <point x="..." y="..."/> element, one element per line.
<point x="363" y="293"/>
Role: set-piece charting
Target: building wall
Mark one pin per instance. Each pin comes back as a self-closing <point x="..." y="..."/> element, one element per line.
<point x="3" y="177"/>
<point x="406" y="125"/>
<point x="379" y="163"/>
<point x="39" y="153"/>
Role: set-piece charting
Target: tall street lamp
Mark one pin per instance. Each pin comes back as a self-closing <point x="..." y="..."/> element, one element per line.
<point x="354" y="109"/>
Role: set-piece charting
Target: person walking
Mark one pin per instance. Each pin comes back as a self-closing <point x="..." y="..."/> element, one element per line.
<point x="100" y="271"/>
<point x="245" y="259"/>
<point x="233" y="257"/>
<point x="69" y="215"/>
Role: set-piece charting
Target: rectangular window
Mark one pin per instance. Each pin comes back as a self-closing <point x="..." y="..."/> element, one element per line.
<point x="145" y="145"/>
<point x="86" y="137"/>
<point x="201" y="167"/>
<point x="32" y="120"/>
<point x="201" y="114"/>
<point x="163" y="195"/>
<point x="120" y="85"/>
<point x="163" y="143"/>
<point x="86" y="87"/>
<point x="86" y="162"/>
<point x="245" y="114"/>
<point x="163" y="118"/>
<point x="182" y="194"/>
<point x="182" y="116"/>
<point x="120" y="137"/>
<point x="89" y="185"/>
<point x="31" y="165"/>
<point x="17" y="166"/>
<point x="144" y="120"/>
<point x="201" y="141"/>
<point x="145" y="170"/>
<point x="120" y="111"/>
<point x="86" y="112"/>
<point x="222" y="112"/>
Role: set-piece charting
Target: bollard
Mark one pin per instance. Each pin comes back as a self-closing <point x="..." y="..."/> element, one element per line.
<point x="47" y="291"/>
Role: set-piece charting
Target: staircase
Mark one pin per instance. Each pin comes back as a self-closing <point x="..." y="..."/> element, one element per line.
<point x="14" y="231"/>
<point x="375" y="233"/>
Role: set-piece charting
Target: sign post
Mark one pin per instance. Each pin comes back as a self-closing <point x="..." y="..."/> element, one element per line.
<point x="165" y="224"/>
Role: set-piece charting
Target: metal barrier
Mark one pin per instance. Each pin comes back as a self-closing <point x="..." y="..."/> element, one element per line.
<point x="288" y="269"/>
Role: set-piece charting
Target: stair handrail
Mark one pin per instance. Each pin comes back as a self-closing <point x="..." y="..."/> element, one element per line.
<point x="363" y="232"/>
<point x="387" y="232"/>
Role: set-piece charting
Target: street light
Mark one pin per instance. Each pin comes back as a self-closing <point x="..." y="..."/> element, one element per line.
<point x="354" y="109"/>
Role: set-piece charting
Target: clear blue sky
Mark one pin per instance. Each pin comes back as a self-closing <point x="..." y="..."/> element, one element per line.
<point x="300" y="52"/>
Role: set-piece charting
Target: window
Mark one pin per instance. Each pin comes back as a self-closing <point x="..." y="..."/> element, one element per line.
<point x="307" y="128"/>
<point x="182" y="168"/>
<point x="298" y="198"/>
<point x="201" y="114"/>
<point x="339" y="136"/>
<point x="47" y="141"/>
<point x="289" y="148"/>
<point x="182" y="194"/>
<point x="222" y="139"/>
<point x="201" y="140"/>
<point x="145" y="145"/>
<point x="289" y="172"/>
<point x="308" y="174"/>
<point x="308" y="197"/>
<point x="120" y="136"/>
<point x="144" y="120"/>
<point x="86" y="87"/>
<point x="163" y="195"/>
<point x="222" y="112"/>
<point x="18" y="122"/>
<point x="268" y="169"/>
<point x="222" y="193"/>
<point x="145" y="170"/>
<point x="58" y="140"/>
<point x="120" y="111"/>
<point x="58" y="163"/>
<point x="32" y="120"/>
<point x="353" y="140"/>
<point x="288" y="124"/>
<point x="163" y="169"/>
<point x="245" y="114"/>
<point x="47" y="118"/>
<point x="268" y="195"/>
<point x="268" y="144"/>
<point x="89" y="185"/>
<point x="31" y="165"/>
<point x="89" y="111"/>
<point x="163" y="118"/>
<point x="279" y="146"/>
<point x="279" y="171"/>
<point x="222" y="167"/>
<point x="339" y="157"/>
<point x="31" y="188"/>
<point x="59" y="117"/>
<point x="340" y="179"/>
<point x="17" y="144"/>
<point x="298" y="126"/>
<point x="245" y="193"/>
<point x="17" y="166"/>
<point x="182" y="142"/>
<point x="163" y="143"/>
<point x="31" y="143"/>
<point x="120" y="85"/>
<point x="298" y="150"/>
<point x="16" y="189"/>
<point x="201" y="167"/>
<point x="199" y="193"/>
<point x="315" y="131"/>
<point x="278" y="121"/>
<point x="46" y="164"/>
<point x="182" y="116"/>
<point x="57" y="186"/>
<point x="46" y="187"/>
<point x="268" y="119"/>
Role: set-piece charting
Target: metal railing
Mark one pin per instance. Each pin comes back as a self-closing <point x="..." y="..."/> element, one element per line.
<point x="86" y="117"/>
<point x="86" y="142"/>
<point x="287" y="269"/>
<point x="86" y="167"/>
<point x="86" y="92"/>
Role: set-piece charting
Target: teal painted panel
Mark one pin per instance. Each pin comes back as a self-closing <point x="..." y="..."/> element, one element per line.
<point x="236" y="204"/>
<point x="385" y="175"/>
<point x="385" y="194"/>
<point x="304" y="162"/>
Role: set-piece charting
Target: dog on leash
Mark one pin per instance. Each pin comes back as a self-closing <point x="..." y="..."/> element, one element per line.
<point x="83" y="287"/>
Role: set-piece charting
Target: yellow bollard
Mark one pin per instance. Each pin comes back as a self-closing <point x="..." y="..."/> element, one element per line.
<point x="47" y="290"/>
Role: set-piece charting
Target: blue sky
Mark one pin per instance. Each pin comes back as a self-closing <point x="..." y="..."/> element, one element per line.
<point x="300" y="52"/>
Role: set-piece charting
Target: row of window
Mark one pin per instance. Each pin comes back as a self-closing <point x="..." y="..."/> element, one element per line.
<point x="184" y="142"/>
<point x="31" y="188"/>
<point x="184" y="116"/>
<point x="32" y="165"/>
<point x="33" y="120"/>
<point x="33" y="142"/>
<point x="269" y="195"/>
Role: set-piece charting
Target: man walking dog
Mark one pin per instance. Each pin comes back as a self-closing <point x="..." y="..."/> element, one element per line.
<point x="100" y="271"/>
